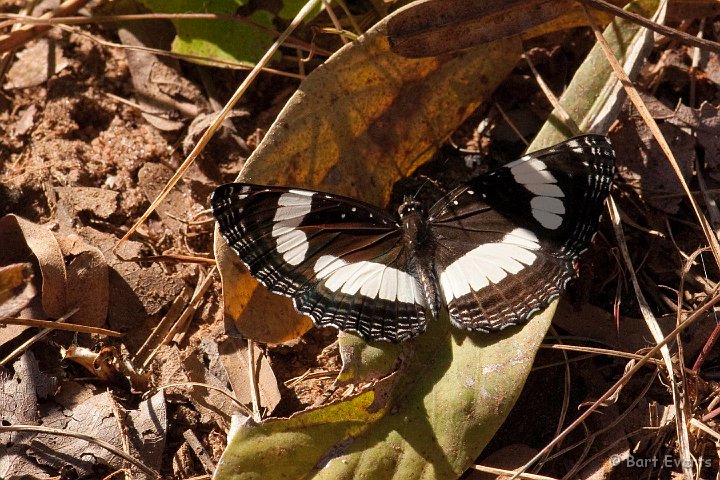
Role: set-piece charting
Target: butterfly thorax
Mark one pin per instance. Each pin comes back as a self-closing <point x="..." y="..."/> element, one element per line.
<point x="412" y="217"/>
<point x="417" y="242"/>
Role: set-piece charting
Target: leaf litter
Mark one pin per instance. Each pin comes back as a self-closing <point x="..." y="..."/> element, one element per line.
<point x="82" y="166"/>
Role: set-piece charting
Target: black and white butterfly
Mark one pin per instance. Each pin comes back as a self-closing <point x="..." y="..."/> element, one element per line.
<point x="493" y="251"/>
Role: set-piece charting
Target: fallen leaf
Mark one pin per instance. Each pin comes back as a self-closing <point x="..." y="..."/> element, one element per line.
<point x="234" y="357"/>
<point x="645" y="167"/>
<point x="705" y="122"/>
<point x="96" y="417"/>
<point x="161" y="91"/>
<point x="16" y="288"/>
<point x="80" y="282"/>
<point x="213" y="405"/>
<point x="87" y="287"/>
<point x="433" y="27"/>
<point x="21" y="240"/>
<point x="19" y="405"/>
<point x="35" y="64"/>
<point x="138" y="291"/>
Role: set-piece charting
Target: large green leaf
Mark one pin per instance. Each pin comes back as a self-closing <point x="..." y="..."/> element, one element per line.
<point x="447" y="400"/>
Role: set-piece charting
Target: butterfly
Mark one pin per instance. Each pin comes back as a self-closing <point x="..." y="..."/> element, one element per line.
<point x="493" y="251"/>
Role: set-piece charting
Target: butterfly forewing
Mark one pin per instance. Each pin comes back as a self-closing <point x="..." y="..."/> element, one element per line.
<point x="342" y="261"/>
<point x="504" y="243"/>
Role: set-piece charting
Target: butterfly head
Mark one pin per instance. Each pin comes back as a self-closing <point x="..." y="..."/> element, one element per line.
<point x="412" y="216"/>
<point x="410" y="206"/>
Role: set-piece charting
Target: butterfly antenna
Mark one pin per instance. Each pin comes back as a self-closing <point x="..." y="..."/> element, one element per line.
<point x="426" y="181"/>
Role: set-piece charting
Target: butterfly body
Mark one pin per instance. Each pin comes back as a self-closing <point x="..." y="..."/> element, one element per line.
<point x="493" y="251"/>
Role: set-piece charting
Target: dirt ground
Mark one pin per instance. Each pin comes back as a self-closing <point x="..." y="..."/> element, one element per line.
<point x="81" y="156"/>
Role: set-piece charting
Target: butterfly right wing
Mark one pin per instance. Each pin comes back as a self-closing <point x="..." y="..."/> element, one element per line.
<point x="505" y="242"/>
<point x="342" y="261"/>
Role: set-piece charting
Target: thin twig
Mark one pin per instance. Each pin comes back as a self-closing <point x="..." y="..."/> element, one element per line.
<point x="54" y="325"/>
<point x="25" y="345"/>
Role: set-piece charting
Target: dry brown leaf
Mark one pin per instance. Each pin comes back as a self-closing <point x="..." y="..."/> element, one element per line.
<point x="705" y="122"/>
<point x="234" y="356"/>
<point x="16" y="288"/>
<point x="138" y="291"/>
<point x="96" y="417"/>
<point x="252" y="309"/>
<point x="162" y="92"/>
<point x="646" y="168"/>
<point x="21" y="240"/>
<point x="19" y="405"/>
<point x="88" y="287"/>
<point x="80" y="282"/>
<point x="433" y="27"/>
<point x="36" y="64"/>
<point x="212" y="405"/>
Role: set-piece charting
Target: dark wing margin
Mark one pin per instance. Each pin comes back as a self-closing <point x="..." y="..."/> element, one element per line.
<point x="505" y="242"/>
<point x="341" y="261"/>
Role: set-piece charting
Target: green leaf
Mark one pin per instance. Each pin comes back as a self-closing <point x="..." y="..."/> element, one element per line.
<point x="240" y="41"/>
<point x="290" y="8"/>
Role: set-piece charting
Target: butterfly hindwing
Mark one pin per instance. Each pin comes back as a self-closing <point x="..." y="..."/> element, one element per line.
<point x="340" y="260"/>
<point x="505" y="242"/>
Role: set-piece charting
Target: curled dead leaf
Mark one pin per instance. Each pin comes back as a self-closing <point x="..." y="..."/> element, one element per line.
<point x="73" y="274"/>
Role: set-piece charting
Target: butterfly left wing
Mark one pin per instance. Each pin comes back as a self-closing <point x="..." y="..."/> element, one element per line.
<point x="505" y="243"/>
<point x="343" y="262"/>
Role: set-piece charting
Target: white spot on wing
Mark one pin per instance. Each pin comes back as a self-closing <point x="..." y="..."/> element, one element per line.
<point x="545" y="189"/>
<point x="548" y="211"/>
<point x="292" y="208"/>
<point x="489" y="263"/>
<point x="548" y="204"/>
<point x="370" y="279"/>
<point x="532" y="173"/>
